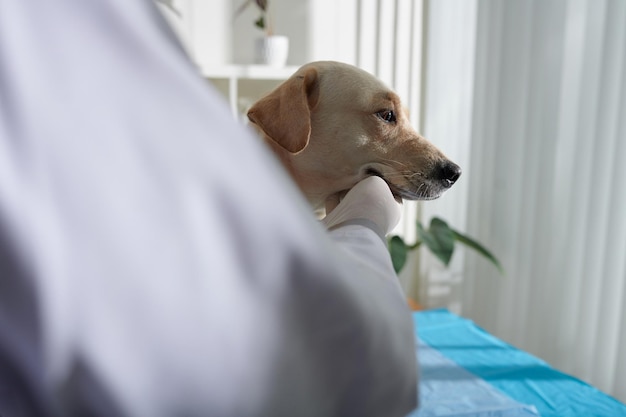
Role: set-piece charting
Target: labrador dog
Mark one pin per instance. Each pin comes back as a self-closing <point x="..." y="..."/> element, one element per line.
<point x="333" y="124"/>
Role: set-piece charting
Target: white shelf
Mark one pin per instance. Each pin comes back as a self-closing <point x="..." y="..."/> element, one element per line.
<point x="234" y="73"/>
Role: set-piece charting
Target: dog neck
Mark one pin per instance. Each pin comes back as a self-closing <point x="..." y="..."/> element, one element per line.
<point x="316" y="200"/>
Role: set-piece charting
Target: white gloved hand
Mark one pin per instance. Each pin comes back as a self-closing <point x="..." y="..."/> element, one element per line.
<point x="370" y="202"/>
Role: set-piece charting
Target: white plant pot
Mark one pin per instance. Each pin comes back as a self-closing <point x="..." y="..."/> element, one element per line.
<point x="272" y="50"/>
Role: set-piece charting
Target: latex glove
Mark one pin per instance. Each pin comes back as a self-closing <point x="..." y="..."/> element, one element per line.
<point x="370" y="203"/>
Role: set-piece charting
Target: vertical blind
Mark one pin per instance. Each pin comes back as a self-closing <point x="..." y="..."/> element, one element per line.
<point x="546" y="184"/>
<point x="389" y="44"/>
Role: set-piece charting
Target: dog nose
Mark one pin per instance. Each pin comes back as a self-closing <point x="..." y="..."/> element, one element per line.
<point x="450" y="172"/>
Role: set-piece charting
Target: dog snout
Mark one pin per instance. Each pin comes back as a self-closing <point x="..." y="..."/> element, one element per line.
<point x="450" y="173"/>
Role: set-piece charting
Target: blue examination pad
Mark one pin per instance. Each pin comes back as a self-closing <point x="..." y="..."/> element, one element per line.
<point x="513" y="373"/>
<point x="446" y="389"/>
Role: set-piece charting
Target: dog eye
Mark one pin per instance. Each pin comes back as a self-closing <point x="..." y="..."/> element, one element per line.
<point x="387" y="115"/>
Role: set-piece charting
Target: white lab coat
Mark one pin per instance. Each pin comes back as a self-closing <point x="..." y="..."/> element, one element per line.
<point x="155" y="259"/>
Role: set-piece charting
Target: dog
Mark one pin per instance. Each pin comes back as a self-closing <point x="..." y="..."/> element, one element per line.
<point x="332" y="124"/>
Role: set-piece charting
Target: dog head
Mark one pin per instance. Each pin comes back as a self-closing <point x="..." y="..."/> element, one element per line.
<point x="333" y="124"/>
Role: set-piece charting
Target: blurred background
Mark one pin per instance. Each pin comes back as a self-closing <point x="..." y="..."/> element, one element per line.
<point x="529" y="97"/>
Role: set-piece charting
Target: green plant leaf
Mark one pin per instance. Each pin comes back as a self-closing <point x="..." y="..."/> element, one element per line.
<point x="260" y="22"/>
<point x="467" y="241"/>
<point x="439" y="238"/>
<point x="398" y="250"/>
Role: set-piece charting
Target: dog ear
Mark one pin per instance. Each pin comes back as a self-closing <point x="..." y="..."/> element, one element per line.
<point x="284" y="115"/>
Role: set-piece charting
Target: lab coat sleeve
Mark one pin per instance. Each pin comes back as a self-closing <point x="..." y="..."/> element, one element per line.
<point x="156" y="260"/>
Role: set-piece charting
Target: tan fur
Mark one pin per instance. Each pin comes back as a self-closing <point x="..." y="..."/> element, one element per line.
<point x="326" y="125"/>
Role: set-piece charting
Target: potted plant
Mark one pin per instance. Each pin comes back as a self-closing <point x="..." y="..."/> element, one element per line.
<point x="440" y="239"/>
<point x="270" y="49"/>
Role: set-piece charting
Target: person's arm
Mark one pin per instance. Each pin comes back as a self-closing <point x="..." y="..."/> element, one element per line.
<point x="166" y="264"/>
